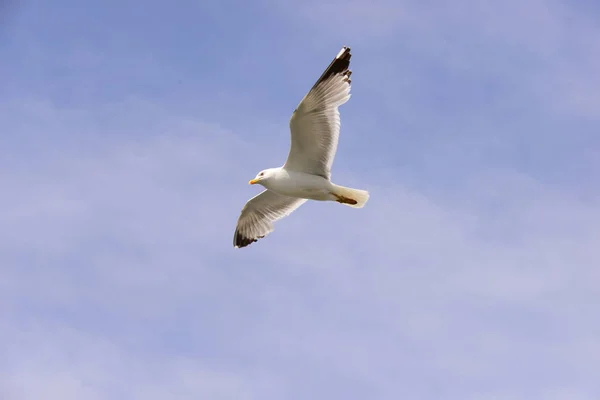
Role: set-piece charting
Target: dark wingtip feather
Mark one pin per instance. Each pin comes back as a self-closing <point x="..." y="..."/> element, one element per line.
<point x="339" y="65"/>
<point x="240" y="240"/>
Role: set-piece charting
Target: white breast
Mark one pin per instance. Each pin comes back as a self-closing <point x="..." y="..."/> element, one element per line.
<point x="299" y="184"/>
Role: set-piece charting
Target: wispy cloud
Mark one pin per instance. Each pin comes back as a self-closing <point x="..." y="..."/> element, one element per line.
<point x="546" y="52"/>
<point x="470" y="275"/>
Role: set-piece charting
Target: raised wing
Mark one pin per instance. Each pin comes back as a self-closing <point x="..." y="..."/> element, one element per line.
<point x="258" y="215"/>
<point x="315" y="124"/>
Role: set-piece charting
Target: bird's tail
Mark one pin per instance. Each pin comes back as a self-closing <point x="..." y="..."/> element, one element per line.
<point x="354" y="198"/>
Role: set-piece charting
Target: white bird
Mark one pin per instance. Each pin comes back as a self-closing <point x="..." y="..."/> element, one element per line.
<point x="306" y="174"/>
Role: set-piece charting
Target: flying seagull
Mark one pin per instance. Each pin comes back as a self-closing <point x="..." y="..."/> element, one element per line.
<point x="306" y="174"/>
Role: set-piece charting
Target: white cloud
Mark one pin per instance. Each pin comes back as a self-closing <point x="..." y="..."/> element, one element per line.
<point x="119" y="279"/>
<point x="545" y="51"/>
<point x="54" y="361"/>
<point x="132" y="244"/>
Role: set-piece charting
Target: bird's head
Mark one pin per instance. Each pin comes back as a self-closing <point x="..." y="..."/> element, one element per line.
<point x="262" y="177"/>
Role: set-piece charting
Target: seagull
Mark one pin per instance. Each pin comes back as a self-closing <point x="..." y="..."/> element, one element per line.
<point x="306" y="174"/>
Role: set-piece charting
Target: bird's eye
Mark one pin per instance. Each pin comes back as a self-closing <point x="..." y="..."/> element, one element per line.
<point x="261" y="174"/>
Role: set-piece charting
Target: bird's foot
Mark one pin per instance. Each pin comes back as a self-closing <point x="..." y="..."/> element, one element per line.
<point x="344" y="200"/>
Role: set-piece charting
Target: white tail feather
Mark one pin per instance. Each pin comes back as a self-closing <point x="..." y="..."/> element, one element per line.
<point x="349" y="196"/>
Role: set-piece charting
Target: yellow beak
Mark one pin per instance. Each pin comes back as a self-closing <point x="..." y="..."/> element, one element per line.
<point x="253" y="181"/>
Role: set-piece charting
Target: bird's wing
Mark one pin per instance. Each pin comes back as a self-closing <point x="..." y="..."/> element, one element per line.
<point x="258" y="215"/>
<point x="315" y="124"/>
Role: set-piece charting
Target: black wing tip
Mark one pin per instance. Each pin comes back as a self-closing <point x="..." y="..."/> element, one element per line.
<point x="344" y="53"/>
<point x="241" y="241"/>
<point x="339" y="65"/>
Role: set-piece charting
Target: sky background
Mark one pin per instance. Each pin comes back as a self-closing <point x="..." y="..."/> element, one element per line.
<point x="128" y="133"/>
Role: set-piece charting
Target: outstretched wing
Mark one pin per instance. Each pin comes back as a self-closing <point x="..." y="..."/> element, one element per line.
<point x="258" y="215"/>
<point x="315" y="124"/>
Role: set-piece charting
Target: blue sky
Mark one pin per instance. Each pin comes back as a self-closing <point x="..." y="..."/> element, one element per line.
<point x="128" y="132"/>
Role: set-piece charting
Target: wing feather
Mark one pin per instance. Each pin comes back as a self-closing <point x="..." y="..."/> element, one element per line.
<point x="315" y="124"/>
<point x="258" y="215"/>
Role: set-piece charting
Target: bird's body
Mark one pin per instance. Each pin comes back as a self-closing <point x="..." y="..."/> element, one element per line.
<point x="298" y="184"/>
<point x="306" y="174"/>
